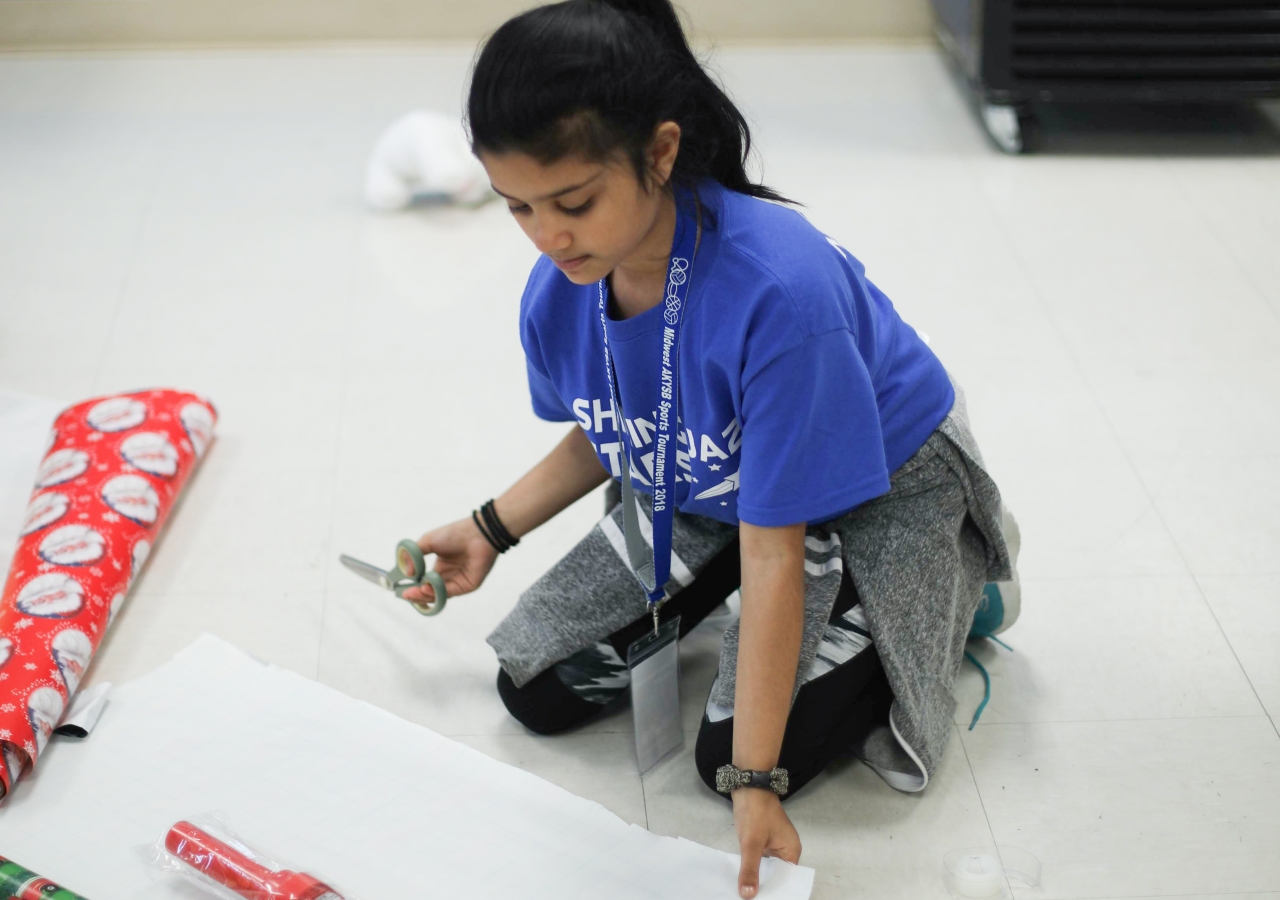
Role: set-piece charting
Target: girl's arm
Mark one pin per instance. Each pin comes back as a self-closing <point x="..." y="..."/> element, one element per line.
<point x="463" y="555"/>
<point x="566" y="475"/>
<point x="768" y="651"/>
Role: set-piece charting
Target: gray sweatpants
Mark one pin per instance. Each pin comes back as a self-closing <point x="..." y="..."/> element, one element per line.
<point x="918" y="557"/>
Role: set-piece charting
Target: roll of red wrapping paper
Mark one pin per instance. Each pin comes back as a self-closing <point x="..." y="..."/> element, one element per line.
<point x="112" y="470"/>
<point x="230" y="868"/>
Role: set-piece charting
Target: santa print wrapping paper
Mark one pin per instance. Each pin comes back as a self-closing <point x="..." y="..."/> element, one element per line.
<point x="112" y="471"/>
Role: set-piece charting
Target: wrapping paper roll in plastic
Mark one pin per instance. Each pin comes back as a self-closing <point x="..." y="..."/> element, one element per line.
<point x="208" y="854"/>
<point x="111" y="473"/>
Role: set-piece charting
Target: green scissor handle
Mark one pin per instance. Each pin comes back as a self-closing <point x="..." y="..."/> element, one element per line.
<point x="411" y="566"/>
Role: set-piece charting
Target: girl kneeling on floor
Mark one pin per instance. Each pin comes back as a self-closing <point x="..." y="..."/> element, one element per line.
<point x="813" y="448"/>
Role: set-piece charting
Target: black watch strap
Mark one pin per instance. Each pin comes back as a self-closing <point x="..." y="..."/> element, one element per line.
<point x="730" y="777"/>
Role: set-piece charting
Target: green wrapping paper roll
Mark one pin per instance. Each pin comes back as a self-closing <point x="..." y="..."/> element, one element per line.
<point x="17" y="883"/>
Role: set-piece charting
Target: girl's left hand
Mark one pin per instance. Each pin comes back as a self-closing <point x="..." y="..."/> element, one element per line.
<point x="763" y="830"/>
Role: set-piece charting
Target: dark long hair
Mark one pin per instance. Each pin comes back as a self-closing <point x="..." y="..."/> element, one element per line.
<point x="593" y="77"/>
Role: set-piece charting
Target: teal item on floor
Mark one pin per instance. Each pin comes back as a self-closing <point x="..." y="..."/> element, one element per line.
<point x="986" y="691"/>
<point x="986" y="622"/>
<point x="990" y="615"/>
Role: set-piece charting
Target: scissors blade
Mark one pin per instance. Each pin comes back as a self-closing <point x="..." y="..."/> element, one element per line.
<point x="366" y="571"/>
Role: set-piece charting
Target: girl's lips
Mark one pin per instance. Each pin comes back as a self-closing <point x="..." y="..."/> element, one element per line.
<point x="568" y="265"/>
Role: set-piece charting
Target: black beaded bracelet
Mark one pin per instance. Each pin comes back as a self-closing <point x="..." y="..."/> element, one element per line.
<point x="491" y="527"/>
<point x="490" y="513"/>
<point x="488" y="537"/>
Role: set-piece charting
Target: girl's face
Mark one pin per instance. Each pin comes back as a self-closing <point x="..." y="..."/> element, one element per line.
<point x="586" y="216"/>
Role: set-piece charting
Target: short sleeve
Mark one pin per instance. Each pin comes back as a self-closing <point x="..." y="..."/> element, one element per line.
<point x="812" y="446"/>
<point x="547" y="403"/>
<point x="546" y="400"/>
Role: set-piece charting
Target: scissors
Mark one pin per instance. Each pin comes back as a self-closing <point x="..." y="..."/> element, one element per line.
<point x="410" y="571"/>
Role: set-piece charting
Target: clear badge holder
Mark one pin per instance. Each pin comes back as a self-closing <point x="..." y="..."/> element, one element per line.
<point x="986" y="872"/>
<point x="654" y="661"/>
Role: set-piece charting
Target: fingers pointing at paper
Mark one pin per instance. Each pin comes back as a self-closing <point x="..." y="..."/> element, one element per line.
<point x="463" y="559"/>
<point x="763" y="830"/>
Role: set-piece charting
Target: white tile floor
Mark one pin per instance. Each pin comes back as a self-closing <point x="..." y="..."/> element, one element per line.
<point x="1113" y="307"/>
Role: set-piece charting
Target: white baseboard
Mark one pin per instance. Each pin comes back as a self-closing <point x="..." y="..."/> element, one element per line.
<point x="104" y="24"/>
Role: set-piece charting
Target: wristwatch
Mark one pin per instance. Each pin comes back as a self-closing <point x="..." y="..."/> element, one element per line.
<point x="730" y="777"/>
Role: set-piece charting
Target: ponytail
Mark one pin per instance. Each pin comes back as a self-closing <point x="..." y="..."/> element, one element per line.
<point x="595" y="77"/>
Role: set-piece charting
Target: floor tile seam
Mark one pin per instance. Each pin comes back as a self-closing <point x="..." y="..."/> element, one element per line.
<point x="1204" y="596"/>
<point x="1154" y="896"/>
<point x="1154" y="720"/>
<point x="127" y="278"/>
<point x="173" y="596"/>
<point x="1152" y="497"/>
<point x="1226" y="247"/>
<point x="1000" y="227"/>
<point x="1052" y="456"/>
<point x="1081" y="371"/>
<point x="273" y="471"/>
<point x="977" y="788"/>
<point x="1235" y="573"/>
<point x="349" y="292"/>
<point x="1183" y="576"/>
<point x="1206" y="457"/>
<point x="1215" y="363"/>
<point x="167" y="111"/>
<point x="1206" y="356"/>
<point x="1046" y="308"/>
<point x="305" y="466"/>
<point x="1131" y="720"/>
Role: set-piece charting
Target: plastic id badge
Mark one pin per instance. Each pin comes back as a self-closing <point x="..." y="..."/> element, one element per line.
<point x="654" y="661"/>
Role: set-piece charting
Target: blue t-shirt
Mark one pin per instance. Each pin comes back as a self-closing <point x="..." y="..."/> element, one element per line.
<point x="800" y="387"/>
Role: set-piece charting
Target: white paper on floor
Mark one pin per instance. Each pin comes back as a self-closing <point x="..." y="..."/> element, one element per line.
<point x="336" y="786"/>
<point x="24" y="432"/>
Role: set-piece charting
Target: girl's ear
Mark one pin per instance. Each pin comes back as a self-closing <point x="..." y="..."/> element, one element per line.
<point x="663" y="149"/>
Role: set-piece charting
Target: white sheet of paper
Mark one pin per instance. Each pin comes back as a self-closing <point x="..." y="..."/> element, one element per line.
<point x="24" y="431"/>
<point x="376" y="805"/>
<point x="86" y="708"/>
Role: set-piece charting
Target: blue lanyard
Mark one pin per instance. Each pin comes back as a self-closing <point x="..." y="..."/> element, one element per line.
<point x="654" y="575"/>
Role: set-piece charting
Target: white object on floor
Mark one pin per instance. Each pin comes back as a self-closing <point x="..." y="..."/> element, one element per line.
<point x="977" y="875"/>
<point x="379" y="805"/>
<point x="25" y="424"/>
<point x="423" y="153"/>
<point x="984" y="873"/>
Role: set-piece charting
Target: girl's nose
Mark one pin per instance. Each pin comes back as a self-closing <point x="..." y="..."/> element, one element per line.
<point x="550" y="239"/>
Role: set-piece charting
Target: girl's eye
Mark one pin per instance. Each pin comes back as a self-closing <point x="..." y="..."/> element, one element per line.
<point x="523" y="208"/>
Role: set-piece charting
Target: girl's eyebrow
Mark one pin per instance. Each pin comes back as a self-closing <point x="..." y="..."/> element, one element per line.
<point x="553" y="194"/>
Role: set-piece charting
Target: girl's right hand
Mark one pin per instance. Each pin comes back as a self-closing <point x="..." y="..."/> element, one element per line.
<point x="463" y="559"/>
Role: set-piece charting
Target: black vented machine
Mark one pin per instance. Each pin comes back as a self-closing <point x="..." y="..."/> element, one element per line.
<point x="1018" y="52"/>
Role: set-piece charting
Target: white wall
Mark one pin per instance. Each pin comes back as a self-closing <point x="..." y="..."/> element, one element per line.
<point x="32" y="24"/>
